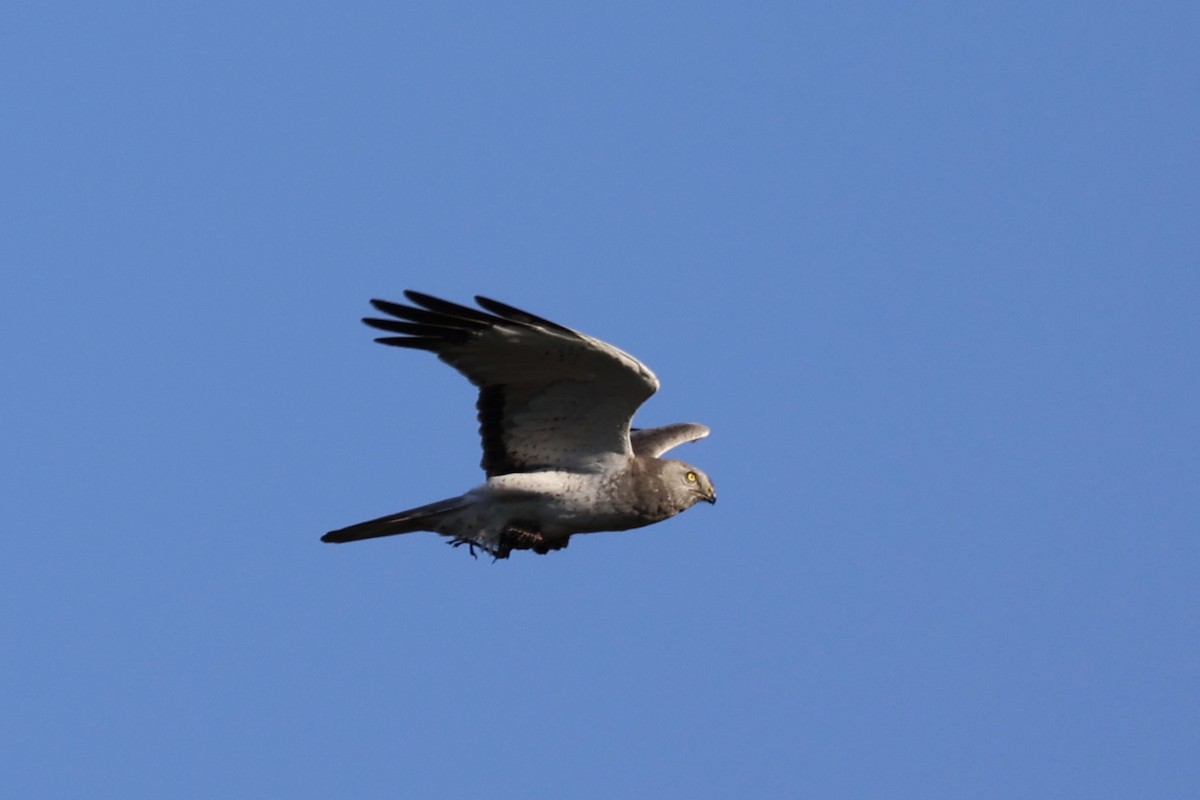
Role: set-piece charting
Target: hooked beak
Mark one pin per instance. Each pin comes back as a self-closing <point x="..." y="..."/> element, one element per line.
<point x="710" y="496"/>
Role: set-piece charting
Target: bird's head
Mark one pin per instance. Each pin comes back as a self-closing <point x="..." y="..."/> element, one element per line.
<point x="690" y="482"/>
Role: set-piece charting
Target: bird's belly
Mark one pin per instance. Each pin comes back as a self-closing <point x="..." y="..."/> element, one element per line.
<point x="557" y="503"/>
<point x="558" y="516"/>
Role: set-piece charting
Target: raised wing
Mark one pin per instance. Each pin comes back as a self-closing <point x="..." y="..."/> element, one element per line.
<point x="656" y="441"/>
<point x="549" y="396"/>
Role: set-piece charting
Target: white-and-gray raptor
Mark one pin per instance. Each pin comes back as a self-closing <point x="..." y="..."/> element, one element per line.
<point x="555" y="408"/>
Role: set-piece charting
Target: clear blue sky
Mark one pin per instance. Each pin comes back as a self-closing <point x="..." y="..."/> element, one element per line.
<point x="931" y="273"/>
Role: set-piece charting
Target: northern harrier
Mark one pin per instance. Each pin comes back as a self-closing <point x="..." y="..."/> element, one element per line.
<point x="555" y="407"/>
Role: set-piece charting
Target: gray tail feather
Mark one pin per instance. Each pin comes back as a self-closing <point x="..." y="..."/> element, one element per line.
<point x="421" y="518"/>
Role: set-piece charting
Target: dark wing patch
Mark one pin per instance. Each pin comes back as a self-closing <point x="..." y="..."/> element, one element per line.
<point x="496" y="459"/>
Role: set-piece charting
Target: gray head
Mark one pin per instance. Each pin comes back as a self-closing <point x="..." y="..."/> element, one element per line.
<point x="654" y="489"/>
<point x="686" y="484"/>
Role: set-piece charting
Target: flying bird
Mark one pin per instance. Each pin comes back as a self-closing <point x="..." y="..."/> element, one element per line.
<point x="555" y="408"/>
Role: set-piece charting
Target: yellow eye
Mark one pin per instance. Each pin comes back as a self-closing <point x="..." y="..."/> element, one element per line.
<point x="691" y="476"/>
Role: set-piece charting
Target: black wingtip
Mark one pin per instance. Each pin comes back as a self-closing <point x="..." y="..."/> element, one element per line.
<point x="516" y="314"/>
<point x="388" y="307"/>
<point x="412" y="342"/>
<point x="431" y="320"/>
<point x="420" y="298"/>
<point x="448" y="309"/>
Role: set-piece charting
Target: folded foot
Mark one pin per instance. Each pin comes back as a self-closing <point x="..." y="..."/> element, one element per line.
<point x="514" y="537"/>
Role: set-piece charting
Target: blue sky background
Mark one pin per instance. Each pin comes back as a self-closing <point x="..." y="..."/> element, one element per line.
<point x="931" y="273"/>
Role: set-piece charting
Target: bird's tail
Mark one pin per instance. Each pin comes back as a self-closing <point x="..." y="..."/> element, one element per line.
<point x="422" y="518"/>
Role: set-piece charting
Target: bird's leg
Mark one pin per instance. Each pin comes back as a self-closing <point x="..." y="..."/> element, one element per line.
<point x="501" y="551"/>
<point x="525" y="536"/>
<point x="514" y="536"/>
<point x="551" y="544"/>
<point x="519" y="536"/>
<point x="471" y="545"/>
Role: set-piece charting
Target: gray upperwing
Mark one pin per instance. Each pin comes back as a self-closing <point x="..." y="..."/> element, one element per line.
<point x="654" y="442"/>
